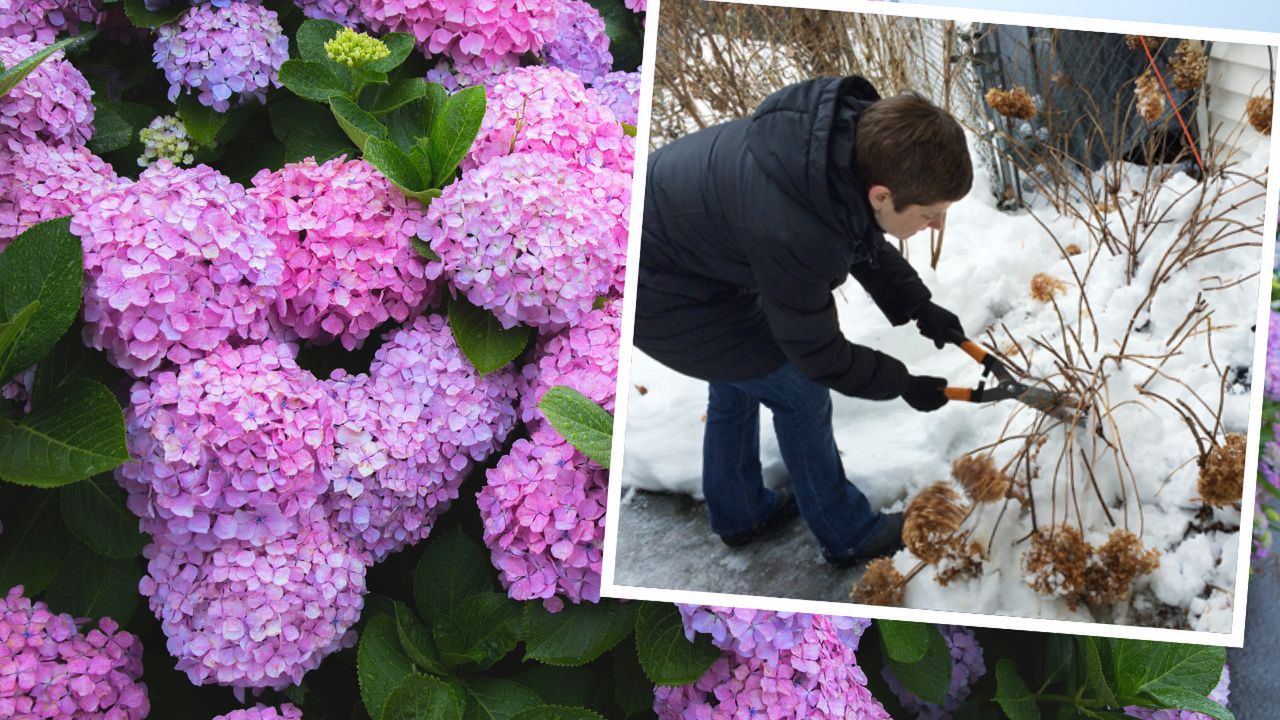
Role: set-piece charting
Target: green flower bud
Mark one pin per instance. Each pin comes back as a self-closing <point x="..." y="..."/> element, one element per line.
<point x="354" y="49"/>
<point x="165" y="137"/>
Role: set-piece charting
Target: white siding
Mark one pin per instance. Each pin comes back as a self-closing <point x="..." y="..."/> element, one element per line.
<point x="1236" y="72"/>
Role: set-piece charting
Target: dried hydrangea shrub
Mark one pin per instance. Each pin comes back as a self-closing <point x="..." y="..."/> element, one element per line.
<point x="1057" y="563"/>
<point x="1259" y="109"/>
<point x="1115" y="566"/>
<point x="1045" y="287"/>
<point x="1221" y="480"/>
<point x="1149" y="98"/>
<point x="1190" y="65"/>
<point x="1014" y="103"/>
<point x="961" y="560"/>
<point x="982" y="481"/>
<point x="880" y="584"/>
<point x="931" y="518"/>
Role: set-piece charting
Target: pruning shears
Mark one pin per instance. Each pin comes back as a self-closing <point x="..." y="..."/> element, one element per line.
<point x="1008" y="387"/>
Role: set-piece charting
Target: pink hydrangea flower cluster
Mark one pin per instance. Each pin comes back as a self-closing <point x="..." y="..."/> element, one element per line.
<point x="543" y="512"/>
<point x="219" y="53"/>
<point x="344" y="235"/>
<point x="51" y="105"/>
<point x="41" y="182"/>
<point x="408" y="434"/>
<point x="1220" y="695"/>
<point x="175" y="265"/>
<point x="481" y="36"/>
<point x="49" y="669"/>
<point x="620" y="92"/>
<point x="263" y="712"/>
<point x="763" y="634"/>
<point x="547" y="110"/>
<point x="531" y="237"/>
<point x="967" y="667"/>
<point x="584" y="357"/>
<point x="581" y="45"/>
<point x="636" y="6"/>
<point x="816" y="677"/>
<point x="234" y="444"/>
<point x="43" y="20"/>
<point x="255" y="616"/>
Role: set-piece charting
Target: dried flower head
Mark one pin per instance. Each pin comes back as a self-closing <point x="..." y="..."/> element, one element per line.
<point x="982" y="481"/>
<point x="931" y="517"/>
<point x="1190" y="65"/>
<point x="1015" y="103"/>
<point x="961" y="559"/>
<point x="1073" y="249"/>
<point x="1045" y="287"/>
<point x="1057" y="562"/>
<point x="1259" y="109"/>
<point x="1222" y="472"/>
<point x="1135" y="41"/>
<point x="1148" y="96"/>
<point x="880" y="584"/>
<point x="1114" y="567"/>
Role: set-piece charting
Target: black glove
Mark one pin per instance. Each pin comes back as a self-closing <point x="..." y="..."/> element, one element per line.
<point x="939" y="324"/>
<point x="924" y="393"/>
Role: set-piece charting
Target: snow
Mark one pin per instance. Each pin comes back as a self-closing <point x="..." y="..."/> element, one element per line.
<point x="989" y="258"/>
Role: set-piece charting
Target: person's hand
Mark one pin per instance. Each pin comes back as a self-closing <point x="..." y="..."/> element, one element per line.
<point x="925" y="393"/>
<point x="939" y="324"/>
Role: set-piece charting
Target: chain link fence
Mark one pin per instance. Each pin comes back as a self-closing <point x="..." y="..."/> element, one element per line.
<point x="717" y="61"/>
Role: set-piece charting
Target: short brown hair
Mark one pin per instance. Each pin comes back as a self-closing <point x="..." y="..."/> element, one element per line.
<point x="914" y="148"/>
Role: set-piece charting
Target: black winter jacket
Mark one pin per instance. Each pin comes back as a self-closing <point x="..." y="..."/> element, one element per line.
<point x="749" y="226"/>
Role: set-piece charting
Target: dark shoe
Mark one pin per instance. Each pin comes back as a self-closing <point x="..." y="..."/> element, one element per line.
<point x="784" y="509"/>
<point x="886" y="540"/>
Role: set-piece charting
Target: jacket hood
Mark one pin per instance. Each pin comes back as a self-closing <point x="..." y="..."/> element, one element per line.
<point x="803" y="138"/>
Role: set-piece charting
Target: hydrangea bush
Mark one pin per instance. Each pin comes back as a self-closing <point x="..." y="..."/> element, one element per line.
<point x="339" y="317"/>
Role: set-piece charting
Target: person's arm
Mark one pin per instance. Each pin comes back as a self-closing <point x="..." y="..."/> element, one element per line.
<point x="895" y="286"/>
<point x="797" y="302"/>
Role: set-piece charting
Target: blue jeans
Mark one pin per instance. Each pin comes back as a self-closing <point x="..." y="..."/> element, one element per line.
<point x="836" y="512"/>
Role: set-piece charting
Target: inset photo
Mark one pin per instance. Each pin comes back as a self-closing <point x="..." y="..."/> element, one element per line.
<point x="947" y="316"/>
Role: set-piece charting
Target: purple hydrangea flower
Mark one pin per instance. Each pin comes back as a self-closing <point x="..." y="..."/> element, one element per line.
<point x="584" y="357"/>
<point x="255" y="616"/>
<point x="581" y="45"/>
<point x="41" y="182"/>
<point x="343" y="12"/>
<point x="176" y="264"/>
<point x="816" y="677"/>
<point x="1271" y="380"/>
<point x="51" y="105"/>
<point x="636" y="6"/>
<point x="620" y="92"/>
<point x="408" y="433"/>
<point x="481" y="36"/>
<point x="343" y="232"/>
<point x="263" y="712"/>
<point x="547" y="110"/>
<point x="763" y="634"/>
<point x="543" y="512"/>
<point x="235" y="445"/>
<point x="1220" y="695"/>
<point x="967" y="667"/>
<point x="532" y="238"/>
<point x="219" y="53"/>
<point x="43" y="20"/>
<point x="50" y="669"/>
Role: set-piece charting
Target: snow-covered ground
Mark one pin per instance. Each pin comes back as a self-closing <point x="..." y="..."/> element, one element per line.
<point x="989" y="259"/>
